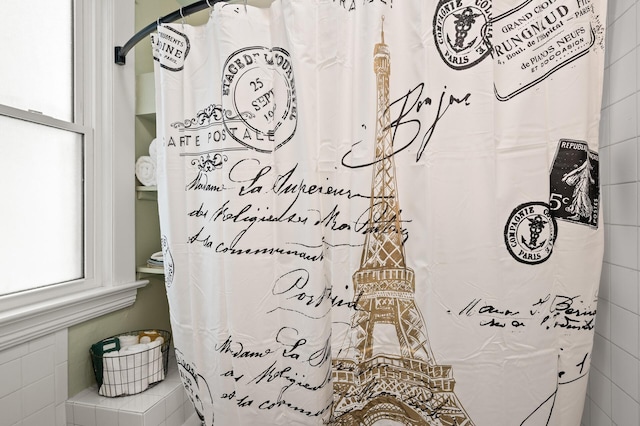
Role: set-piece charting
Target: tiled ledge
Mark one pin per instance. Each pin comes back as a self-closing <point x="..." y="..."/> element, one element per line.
<point x="164" y="404"/>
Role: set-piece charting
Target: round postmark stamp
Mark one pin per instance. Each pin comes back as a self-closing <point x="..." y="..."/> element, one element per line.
<point x="530" y="233"/>
<point x="462" y="31"/>
<point x="170" y="48"/>
<point x="259" y="97"/>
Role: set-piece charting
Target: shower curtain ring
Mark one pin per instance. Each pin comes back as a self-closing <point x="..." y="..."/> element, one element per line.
<point x="245" y="6"/>
<point x="182" y="16"/>
<point x="208" y="4"/>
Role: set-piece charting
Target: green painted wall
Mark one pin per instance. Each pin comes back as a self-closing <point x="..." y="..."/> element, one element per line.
<point x="151" y="308"/>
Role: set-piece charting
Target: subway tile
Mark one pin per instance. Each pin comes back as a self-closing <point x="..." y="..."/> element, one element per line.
<point x="106" y="417"/>
<point x="11" y="408"/>
<point x="605" y="203"/>
<point x="624" y="288"/>
<point x="586" y="418"/>
<point x="622" y="127"/>
<point x="61" y="346"/>
<point x="601" y="356"/>
<point x="84" y="415"/>
<point x="38" y="365"/>
<point x="11" y="377"/>
<point x="623" y="77"/>
<point x="141" y="403"/>
<point x="13" y="353"/>
<point x="192" y="420"/>
<point x="128" y="418"/>
<point x="624" y="329"/>
<point x="61" y="415"/>
<point x="174" y="400"/>
<point x="616" y="8"/>
<point x="624" y="410"/>
<point x="603" y="136"/>
<point x="623" y="199"/>
<point x="606" y="90"/>
<point x="600" y="390"/>
<point x="38" y="395"/>
<point x="176" y="418"/>
<point x="68" y="406"/>
<point x="155" y="415"/>
<point x="604" y="291"/>
<point x="623" y="162"/>
<point x="607" y="244"/>
<point x="41" y="417"/>
<point x="42" y="342"/>
<point x="599" y="417"/>
<point x="189" y="409"/>
<point x="604" y="155"/>
<point x="603" y="318"/>
<point x="61" y="383"/>
<point x="637" y="20"/>
<point x="621" y="36"/>
<point x="623" y="241"/>
<point x="624" y="371"/>
<point x="108" y="403"/>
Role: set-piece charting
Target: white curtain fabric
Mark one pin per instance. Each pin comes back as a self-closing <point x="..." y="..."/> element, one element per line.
<point x="383" y="212"/>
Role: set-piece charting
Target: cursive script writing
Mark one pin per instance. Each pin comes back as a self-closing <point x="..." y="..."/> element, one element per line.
<point x="411" y="105"/>
<point x="558" y="311"/>
<point x="297" y="298"/>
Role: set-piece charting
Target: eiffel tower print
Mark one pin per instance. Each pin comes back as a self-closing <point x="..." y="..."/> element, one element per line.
<point x="370" y="382"/>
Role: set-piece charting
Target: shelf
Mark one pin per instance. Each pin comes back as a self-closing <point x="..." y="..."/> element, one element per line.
<point x="149" y="270"/>
<point x="145" y="95"/>
<point x="147" y="192"/>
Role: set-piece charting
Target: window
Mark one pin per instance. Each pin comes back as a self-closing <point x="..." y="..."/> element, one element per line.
<point x="66" y="134"/>
<point x="42" y="165"/>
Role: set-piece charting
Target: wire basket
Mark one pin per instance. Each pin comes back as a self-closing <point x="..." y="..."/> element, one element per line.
<point x="131" y="362"/>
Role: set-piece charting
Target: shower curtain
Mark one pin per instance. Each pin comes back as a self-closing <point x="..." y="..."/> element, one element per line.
<point x="382" y="212"/>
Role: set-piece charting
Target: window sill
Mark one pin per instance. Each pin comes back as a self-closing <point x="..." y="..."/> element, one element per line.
<point x="20" y="325"/>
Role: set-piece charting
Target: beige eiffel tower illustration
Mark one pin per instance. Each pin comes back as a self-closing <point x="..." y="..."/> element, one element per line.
<point x="405" y="386"/>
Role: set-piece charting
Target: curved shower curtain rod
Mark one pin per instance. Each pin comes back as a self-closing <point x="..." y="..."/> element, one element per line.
<point x="121" y="51"/>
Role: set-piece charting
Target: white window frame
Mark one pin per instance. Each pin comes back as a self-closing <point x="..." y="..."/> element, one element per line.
<point x="105" y="111"/>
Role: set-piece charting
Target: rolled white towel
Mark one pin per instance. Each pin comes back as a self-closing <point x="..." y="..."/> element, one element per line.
<point x="153" y="150"/>
<point x="111" y="375"/>
<point x="146" y="170"/>
<point x="156" y="368"/>
<point x="134" y="361"/>
<point x="127" y="340"/>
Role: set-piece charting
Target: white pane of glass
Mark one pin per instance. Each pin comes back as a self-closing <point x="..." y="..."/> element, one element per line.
<point x="37" y="56"/>
<point x="41" y="195"/>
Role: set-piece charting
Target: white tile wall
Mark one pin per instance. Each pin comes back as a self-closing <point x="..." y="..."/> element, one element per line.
<point x="165" y="404"/>
<point x="613" y="397"/>
<point x="33" y="392"/>
<point x="33" y="382"/>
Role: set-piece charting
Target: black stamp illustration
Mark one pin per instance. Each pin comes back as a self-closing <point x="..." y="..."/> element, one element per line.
<point x="259" y="97"/>
<point x="530" y="233"/>
<point x="537" y="38"/>
<point x="197" y="389"/>
<point x="170" y="48"/>
<point x="209" y="116"/>
<point x="462" y="31"/>
<point x="574" y="183"/>
<point x="167" y="260"/>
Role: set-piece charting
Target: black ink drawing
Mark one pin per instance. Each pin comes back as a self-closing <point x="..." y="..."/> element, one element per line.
<point x="530" y="233"/>
<point x="574" y="184"/>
